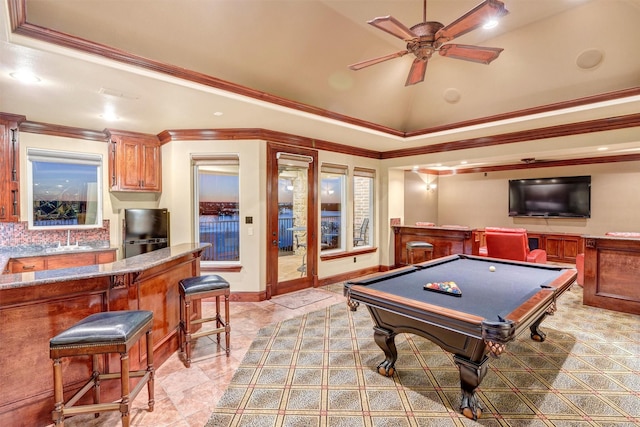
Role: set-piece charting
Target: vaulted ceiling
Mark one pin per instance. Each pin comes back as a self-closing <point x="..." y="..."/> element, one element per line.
<point x="282" y="65"/>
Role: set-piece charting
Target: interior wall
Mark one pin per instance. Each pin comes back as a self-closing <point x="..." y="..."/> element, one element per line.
<point x="479" y="200"/>
<point x="420" y="203"/>
<point x="177" y="183"/>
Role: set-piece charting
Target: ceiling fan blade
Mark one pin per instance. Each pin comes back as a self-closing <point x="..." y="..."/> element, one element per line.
<point x="483" y="55"/>
<point x="394" y="27"/>
<point x="417" y="71"/>
<point x="368" y="62"/>
<point x="479" y="15"/>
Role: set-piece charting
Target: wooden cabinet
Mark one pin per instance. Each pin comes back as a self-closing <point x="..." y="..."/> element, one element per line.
<point x="559" y="247"/>
<point x="9" y="168"/>
<point x="134" y="162"/>
<point x="54" y="262"/>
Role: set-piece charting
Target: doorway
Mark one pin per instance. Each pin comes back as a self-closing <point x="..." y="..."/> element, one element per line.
<point x="291" y="218"/>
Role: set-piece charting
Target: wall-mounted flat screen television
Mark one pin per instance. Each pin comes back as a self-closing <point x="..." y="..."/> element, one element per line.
<point x="562" y="197"/>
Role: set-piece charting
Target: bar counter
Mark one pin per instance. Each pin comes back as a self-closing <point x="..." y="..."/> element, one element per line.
<point x="36" y="306"/>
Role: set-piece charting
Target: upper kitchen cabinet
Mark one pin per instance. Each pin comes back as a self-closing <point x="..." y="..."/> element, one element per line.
<point x="9" y="167"/>
<point x="134" y="162"/>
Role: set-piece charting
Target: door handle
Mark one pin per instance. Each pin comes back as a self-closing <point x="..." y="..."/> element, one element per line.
<point x="274" y="242"/>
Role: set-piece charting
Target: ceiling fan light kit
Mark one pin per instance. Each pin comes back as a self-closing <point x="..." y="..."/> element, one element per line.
<point x="428" y="37"/>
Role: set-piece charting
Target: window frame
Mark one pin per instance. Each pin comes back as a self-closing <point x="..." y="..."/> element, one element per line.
<point x="343" y="172"/>
<point x="69" y="158"/>
<point x="221" y="159"/>
<point x="360" y="172"/>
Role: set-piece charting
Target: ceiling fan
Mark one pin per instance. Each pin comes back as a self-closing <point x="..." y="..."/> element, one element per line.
<point x="425" y="38"/>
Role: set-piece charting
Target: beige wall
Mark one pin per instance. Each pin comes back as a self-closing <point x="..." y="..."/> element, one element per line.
<point x="420" y="204"/>
<point x="478" y="201"/>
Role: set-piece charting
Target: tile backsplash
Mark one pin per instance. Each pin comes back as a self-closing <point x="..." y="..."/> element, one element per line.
<point x="18" y="234"/>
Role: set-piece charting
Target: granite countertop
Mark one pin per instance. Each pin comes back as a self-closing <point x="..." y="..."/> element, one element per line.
<point x="127" y="265"/>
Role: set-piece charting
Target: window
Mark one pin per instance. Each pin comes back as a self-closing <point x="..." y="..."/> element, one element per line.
<point x="363" y="197"/>
<point x="217" y="204"/>
<point x="332" y="204"/>
<point x="64" y="189"/>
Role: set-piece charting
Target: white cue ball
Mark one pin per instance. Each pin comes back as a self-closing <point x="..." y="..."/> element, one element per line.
<point x="492" y="268"/>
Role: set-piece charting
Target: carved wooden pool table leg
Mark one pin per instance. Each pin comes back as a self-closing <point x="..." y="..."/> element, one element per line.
<point x="471" y="374"/>
<point x="386" y="341"/>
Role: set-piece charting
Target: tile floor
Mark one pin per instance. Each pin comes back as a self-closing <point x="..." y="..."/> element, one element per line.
<point x="186" y="397"/>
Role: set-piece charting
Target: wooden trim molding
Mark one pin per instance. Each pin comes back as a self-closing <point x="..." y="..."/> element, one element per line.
<point x="589" y="126"/>
<point x="347" y="254"/>
<point x="167" y="136"/>
<point x="64" y="131"/>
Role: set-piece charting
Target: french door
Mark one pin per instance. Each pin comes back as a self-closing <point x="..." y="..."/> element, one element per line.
<point x="291" y="218"/>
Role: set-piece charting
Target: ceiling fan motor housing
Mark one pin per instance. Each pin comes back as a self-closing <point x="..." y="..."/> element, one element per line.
<point x="424" y="46"/>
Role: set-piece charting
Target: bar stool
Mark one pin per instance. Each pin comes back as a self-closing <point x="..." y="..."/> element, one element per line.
<point x="422" y="246"/>
<point x="194" y="289"/>
<point x="103" y="333"/>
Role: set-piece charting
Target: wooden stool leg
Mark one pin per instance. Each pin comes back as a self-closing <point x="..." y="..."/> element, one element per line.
<point x="58" y="417"/>
<point x="150" y="368"/>
<point x="96" y="381"/>
<point x="218" y="318"/>
<point x="125" y="404"/>
<point x="227" y="326"/>
<point x="181" y="326"/>
<point x="187" y="331"/>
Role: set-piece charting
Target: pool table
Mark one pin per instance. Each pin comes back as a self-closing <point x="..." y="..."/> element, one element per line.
<point x="498" y="300"/>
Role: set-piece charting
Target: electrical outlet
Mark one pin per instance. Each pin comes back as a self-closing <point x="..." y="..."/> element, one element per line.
<point x="354" y="259"/>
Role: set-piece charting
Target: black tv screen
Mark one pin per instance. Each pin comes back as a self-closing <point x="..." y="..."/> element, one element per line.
<point x="563" y="197"/>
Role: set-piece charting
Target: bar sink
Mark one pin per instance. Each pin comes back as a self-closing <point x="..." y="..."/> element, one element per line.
<point x="68" y="248"/>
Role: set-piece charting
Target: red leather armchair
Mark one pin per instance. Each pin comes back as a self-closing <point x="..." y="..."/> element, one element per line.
<point x="513" y="244"/>
<point x="580" y="257"/>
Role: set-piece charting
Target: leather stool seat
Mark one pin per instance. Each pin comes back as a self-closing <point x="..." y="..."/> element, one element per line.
<point x="97" y="334"/>
<point x="195" y="289"/>
<point x="423" y="246"/>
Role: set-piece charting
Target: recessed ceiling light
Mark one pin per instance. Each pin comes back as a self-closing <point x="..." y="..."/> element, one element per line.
<point x="218" y="113"/>
<point x="464" y="162"/>
<point x="25" y="76"/>
<point x="110" y="116"/>
<point x="603" y="148"/>
<point x="490" y="24"/>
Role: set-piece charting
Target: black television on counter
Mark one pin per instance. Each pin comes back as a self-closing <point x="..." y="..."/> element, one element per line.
<point x="562" y="197"/>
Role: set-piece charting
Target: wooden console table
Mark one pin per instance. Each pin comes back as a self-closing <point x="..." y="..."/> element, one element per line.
<point x="446" y="241"/>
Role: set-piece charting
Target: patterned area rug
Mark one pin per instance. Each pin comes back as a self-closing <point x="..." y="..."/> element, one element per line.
<point x="319" y="370"/>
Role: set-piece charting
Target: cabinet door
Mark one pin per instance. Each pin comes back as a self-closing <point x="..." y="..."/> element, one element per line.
<point x="129" y="153"/>
<point x="554" y="248"/>
<point x="150" y="174"/>
<point x="9" y="172"/>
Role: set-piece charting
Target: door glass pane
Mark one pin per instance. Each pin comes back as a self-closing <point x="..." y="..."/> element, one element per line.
<point x="292" y="222"/>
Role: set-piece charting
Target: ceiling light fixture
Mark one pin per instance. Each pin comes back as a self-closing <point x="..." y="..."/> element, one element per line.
<point x="110" y="116"/>
<point x="25" y="76"/>
<point x="490" y="24"/>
